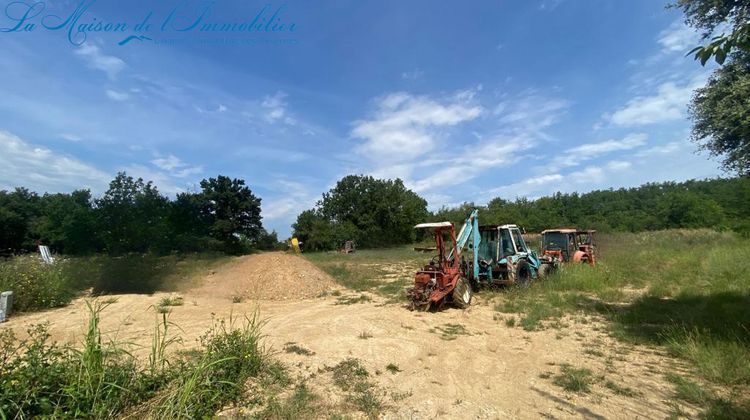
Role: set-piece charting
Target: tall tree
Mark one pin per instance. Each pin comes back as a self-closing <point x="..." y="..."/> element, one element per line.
<point x="372" y="212"/>
<point x="709" y="15"/>
<point x="132" y="216"/>
<point x="721" y="115"/>
<point x="721" y="110"/>
<point x="67" y="222"/>
<point x="231" y="210"/>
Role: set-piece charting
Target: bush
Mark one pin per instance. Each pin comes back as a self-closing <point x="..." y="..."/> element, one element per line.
<point x="38" y="379"/>
<point x="36" y="285"/>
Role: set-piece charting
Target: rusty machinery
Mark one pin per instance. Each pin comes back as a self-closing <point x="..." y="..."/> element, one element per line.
<point x="568" y="245"/>
<point x="498" y="255"/>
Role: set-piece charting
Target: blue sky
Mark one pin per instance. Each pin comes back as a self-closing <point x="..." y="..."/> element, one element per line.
<point x="465" y="101"/>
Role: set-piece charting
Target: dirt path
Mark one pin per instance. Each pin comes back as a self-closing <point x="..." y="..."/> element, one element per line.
<point x="454" y="364"/>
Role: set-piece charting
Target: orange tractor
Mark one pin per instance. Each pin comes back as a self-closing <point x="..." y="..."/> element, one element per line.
<point x="566" y="245"/>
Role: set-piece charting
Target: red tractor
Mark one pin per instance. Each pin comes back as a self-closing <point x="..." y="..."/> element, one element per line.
<point x="566" y="245"/>
<point x="442" y="280"/>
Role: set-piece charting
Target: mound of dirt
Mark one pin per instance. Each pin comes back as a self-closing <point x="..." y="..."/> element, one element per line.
<point x="267" y="276"/>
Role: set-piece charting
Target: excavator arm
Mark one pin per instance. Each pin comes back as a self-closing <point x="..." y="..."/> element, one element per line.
<point x="469" y="234"/>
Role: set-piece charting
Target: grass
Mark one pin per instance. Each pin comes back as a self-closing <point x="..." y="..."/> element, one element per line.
<point x="578" y="380"/>
<point x="393" y="368"/>
<point x="297" y="349"/>
<point x="350" y="376"/>
<point x="39" y="286"/>
<point x="685" y="290"/>
<point x="450" y="332"/>
<point x="621" y="389"/>
<point x="302" y="403"/>
<point x="101" y="379"/>
<point x="373" y="270"/>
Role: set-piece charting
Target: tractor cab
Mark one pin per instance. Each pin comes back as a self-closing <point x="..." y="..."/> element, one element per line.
<point x="504" y="256"/>
<point x="568" y="245"/>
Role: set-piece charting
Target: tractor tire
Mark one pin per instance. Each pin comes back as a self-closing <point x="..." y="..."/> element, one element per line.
<point x="523" y="274"/>
<point x="462" y="293"/>
<point x="544" y="271"/>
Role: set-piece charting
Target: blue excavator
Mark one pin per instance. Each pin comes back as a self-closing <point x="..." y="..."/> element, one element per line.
<point x="479" y="256"/>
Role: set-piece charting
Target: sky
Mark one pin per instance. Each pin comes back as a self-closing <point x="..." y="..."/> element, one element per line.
<point x="464" y="101"/>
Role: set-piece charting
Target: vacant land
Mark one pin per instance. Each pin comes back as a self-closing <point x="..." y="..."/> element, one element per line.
<point x="659" y="329"/>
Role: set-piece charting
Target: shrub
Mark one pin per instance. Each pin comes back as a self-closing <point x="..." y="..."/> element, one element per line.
<point x="36" y="285"/>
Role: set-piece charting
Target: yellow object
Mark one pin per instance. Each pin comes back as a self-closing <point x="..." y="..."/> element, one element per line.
<point x="295" y="245"/>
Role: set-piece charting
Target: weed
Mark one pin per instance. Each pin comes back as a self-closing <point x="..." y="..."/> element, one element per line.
<point x="399" y="396"/>
<point x="351" y="300"/>
<point x="237" y="298"/>
<point x="572" y="379"/>
<point x="294" y="348"/>
<point x="300" y="404"/>
<point x="510" y="322"/>
<point x="621" y="389"/>
<point x="348" y="373"/>
<point x="393" y="368"/>
<point x="364" y="335"/>
<point x="351" y="376"/>
<point x="687" y="390"/>
<point x="593" y="352"/>
<point x="450" y="332"/>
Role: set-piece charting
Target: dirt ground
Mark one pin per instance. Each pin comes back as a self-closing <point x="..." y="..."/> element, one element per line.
<point x="482" y="369"/>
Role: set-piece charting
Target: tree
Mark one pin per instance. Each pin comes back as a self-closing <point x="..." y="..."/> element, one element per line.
<point x="372" y="212"/>
<point x="708" y="15"/>
<point x="231" y="210"/>
<point x="67" y="222"/>
<point x="721" y="110"/>
<point x="721" y="115"/>
<point x="132" y="216"/>
<point x="18" y="209"/>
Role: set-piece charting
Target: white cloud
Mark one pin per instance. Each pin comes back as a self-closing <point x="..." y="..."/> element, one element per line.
<point x="412" y="75"/>
<point x="275" y="109"/>
<point x="70" y="137"/>
<point x="590" y="150"/>
<point x="26" y="165"/>
<point x="117" y="96"/>
<point x="586" y="152"/>
<point x="176" y="167"/>
<point x="97" y="60"/>
<point x="678" y="37"/>
<point x="293" y="199"/>
<point x="163" y="181"/>
<point x="404" y="126"/>
<point x="666" y="149"/>
<point x="618" y="165"/>
<point x="668" y="104"/>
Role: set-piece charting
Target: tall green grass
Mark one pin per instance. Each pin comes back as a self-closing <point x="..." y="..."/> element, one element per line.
<point x="40" y="286"/>
<point x="103" y="380"/>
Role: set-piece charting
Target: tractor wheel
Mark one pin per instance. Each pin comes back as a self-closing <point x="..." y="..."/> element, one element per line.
<point x="544" y="271"/>
<point x="523" y="274"/>
<point x="462" y="293"/>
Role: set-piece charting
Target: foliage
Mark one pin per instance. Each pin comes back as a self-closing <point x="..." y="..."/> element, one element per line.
<point x="132" y="216"/>
<point x="39" y="379"/>
<point x="232" y="211"/>
<point x="40" y="286"/>
<point x="721" y="109"/>
<point x="36" y="285"/>
<point x="709" y="15"/>
<point x="721" y="115"/>
<point x="715" y="203"/>
<point x="371" y="212"/>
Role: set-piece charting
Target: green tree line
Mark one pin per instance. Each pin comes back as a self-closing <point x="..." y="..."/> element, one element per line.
<point x="714" y="203"/>
<point x="133" y="216"/>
